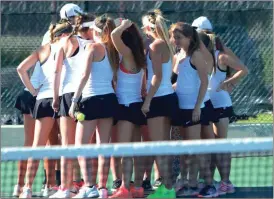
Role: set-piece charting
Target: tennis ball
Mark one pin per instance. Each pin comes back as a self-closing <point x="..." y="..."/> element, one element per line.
<point x="80" y="117"/>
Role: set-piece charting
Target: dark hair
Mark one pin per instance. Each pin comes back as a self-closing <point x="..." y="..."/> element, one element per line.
<point x="133" y="39"/>
<point x="209" y="44"/>
<point x="190" y="32"/>
<point x="107" y="25"/>
<point x="218" y="45"/>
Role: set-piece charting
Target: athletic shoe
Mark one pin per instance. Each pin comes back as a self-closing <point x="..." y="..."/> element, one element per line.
<point x="225" y="187"/>
<point x="163" y="192"/>
<point x="208" y="192"/>
<point x="61" y="194"/>
<point x="137" y="192"/>
<point x="45" y="192"/>
<point x="201" y="184"/>
<point x="26" y="193"/>
<point x="103" y="193"/>
<point x="76" y="186"/>
<point x="147" y="185"/>
<point x="87" y="192"/>
<point x="180" y="184"/>
<point x="187" y="191"/>
<point x="16" y="191"/>
<point x="157" y="183"/>
<point x="116" y="184"/>
<point x="122" y="192"/>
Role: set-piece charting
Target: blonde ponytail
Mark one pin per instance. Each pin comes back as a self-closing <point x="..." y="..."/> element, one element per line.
<point x="157" y="24"/>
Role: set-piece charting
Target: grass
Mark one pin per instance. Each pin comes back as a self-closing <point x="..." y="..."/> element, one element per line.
<point x="259" y="119"/>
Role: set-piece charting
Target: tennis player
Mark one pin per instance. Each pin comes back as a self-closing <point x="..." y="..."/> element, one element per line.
<point x="161" y="102"/>
<point x="43" y="112"/>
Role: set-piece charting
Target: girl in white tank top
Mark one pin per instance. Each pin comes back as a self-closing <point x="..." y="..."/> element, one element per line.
<point x="99" y="101"/>
<point x="219" y="87"/>
<point x="161" y="102"/>
<point x="128" y="42"/>
<point x="191" y="88"/>
<point x="70" y="64"/>
<point x="43" y="111"/>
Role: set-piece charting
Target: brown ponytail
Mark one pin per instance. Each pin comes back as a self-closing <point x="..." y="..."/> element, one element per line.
<point x="107" y="25"/>
<point x="58" y="29"/>
<point x="51" y="28"/>
<point x="209" y="42"/>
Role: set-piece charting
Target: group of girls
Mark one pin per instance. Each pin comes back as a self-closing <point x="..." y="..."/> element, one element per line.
<point x="102" y="68"/>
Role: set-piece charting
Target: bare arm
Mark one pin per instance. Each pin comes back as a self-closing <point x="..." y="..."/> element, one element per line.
<point x="235" y="64"/>
<point x="156" y="58"/>
<point x="23" y="68"/>
<point x="198" y="61"/>
<point x="59" y="57"/>
<point x="116" y="37"/>
<point x="144" y="84"/>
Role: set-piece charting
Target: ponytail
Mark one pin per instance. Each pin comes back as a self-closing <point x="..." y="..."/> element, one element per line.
<point x="77" y="26"/>
<point x="157" y="23"/>
<point x="51" y="28"/>
<point x="194" y="43"/>
<point x="209" y="41"/>
<point x="56" y="30"/>
<point x="107" y="25"/>
<point x="162" y="31"/>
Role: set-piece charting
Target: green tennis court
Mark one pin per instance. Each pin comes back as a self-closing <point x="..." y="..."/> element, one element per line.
<point x="253" y="177"/>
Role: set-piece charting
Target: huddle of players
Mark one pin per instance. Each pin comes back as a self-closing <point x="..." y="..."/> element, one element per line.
<point x="102" y="68"/>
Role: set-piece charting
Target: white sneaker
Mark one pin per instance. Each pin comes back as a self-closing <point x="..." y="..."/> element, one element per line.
<point x="16" y="191"/>
<point x="87" y="192"/>
<point x="103" y="193"/>
<point x="45" y="192"/>
<point x="61" y="194"/>
<point x="26" y="193"/>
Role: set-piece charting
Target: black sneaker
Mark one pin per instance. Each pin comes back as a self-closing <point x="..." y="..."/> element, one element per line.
<point x="116" y="184"/>
<point x="157" y="183"/>
<point x="208" y="191"/>
<point x="147" y="185"/>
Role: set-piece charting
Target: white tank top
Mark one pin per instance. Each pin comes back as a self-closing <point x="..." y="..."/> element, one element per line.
<point x="188" y="85"/>
<point x="128" y="89"/>
<point x="221" y="98"/>
<point x="165" y="87"/>
<point x="48" y="70"/>
<point x="100" y="79"/>
<point x="73" y="70"/>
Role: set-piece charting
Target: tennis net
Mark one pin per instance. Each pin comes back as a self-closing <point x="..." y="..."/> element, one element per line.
<point x="251" y="166"/>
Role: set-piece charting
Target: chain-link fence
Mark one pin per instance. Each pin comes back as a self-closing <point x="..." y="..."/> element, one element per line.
<point x="245" y="27"/>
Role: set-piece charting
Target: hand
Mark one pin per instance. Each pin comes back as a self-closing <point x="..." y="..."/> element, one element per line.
<point x="126" y="23"/>
<point x="72" y="110"/>
<point x="36" y="91"/>
<point x="145" y="108"/>
<point x="225" y="86"/>
<point x="196" y="114"/>
<point x="55" y="104"/>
